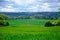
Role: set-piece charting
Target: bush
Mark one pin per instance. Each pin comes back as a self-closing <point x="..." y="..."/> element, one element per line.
<point x="49" y="24"/>
<point x="58" y="24"/>
<point x="4" y="24"/>
<point x="1" y="24"/>
<point x="3" y="20"/>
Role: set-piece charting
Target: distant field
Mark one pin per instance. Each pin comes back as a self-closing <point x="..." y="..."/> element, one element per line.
<point x="29" y="30"/>
<point x="28" y="22"/>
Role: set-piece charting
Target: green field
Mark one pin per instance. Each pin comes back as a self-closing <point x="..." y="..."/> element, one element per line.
<point x="29" y="30"/>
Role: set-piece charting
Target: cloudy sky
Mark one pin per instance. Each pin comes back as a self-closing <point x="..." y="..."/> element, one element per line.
<point x="29" y="5"/>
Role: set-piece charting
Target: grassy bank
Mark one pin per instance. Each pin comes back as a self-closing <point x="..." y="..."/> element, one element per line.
<point x="29" y="30"/>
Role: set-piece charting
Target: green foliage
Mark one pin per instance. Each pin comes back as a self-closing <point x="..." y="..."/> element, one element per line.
<point x="58" y="20"/>
<point x="3" y="16"/>
<point x="58" y="24"/>
<point x="3" y="20"/>
<point x="4" y="24"/>
<point x="49" y="24"/>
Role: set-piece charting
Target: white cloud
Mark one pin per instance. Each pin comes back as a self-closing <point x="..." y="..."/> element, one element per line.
<point x="8" y="8"/>
<point x="29" y="6"/>
<point x="46" y="4"/>
<point x="34" y="8"/>
<point x="7" y="0"/>
<point x="23" y="2"/>
<point x="40" y="0"/>
<point x="46" y="7"/>
<point x="59" y="4"/>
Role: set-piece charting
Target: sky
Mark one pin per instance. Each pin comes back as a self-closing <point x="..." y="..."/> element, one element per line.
<point x="29" y="5"/>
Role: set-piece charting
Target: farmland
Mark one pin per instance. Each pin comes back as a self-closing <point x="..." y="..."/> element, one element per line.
<point x="31" y="29"/>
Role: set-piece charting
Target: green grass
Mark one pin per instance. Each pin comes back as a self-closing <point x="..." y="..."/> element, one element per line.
<point x="29" y="30"/>
<point x="27" y="22"/>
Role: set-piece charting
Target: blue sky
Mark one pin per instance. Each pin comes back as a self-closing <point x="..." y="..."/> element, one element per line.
<point x="29" y="5"/>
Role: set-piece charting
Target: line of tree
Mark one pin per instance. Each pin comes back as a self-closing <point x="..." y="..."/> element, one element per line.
<point x="35" y="17"/>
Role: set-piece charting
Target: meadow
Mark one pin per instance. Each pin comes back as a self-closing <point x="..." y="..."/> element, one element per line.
<point x="29" y="29"/>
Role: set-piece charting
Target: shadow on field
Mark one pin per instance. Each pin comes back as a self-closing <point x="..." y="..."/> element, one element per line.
<point x="49" y="24"/>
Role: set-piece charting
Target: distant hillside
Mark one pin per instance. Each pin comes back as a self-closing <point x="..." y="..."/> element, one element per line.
<point x="34" y="14"/>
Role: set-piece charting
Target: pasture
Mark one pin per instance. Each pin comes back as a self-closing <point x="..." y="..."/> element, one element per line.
<point x="31" y="29"/>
